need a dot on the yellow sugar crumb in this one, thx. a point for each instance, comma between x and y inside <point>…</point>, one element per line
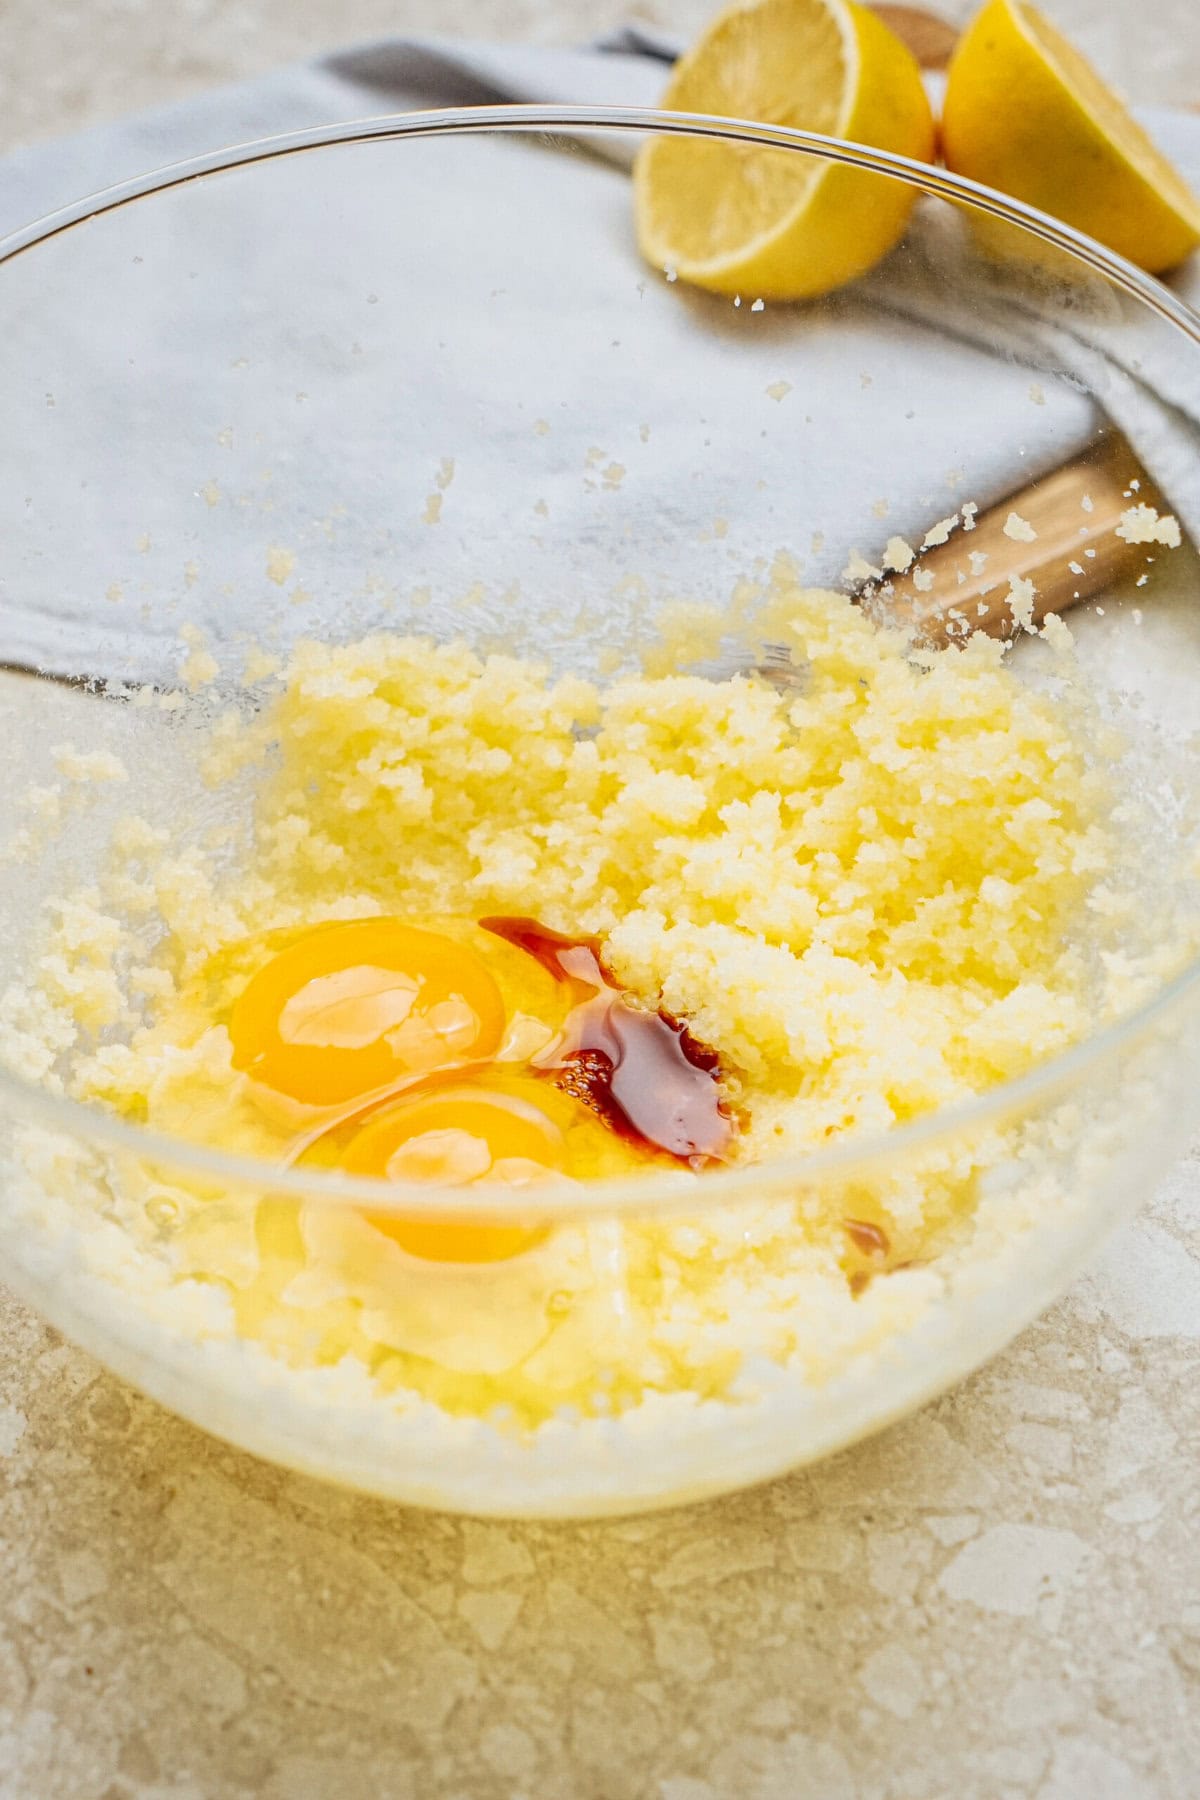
<point>433,509</point>
<point>1021,597</point>
<point>541,426</point>
<point>445,474</point>
<point>939,533</point>
<point>44,800</point>
<point>1019,529</point>
<point>199,666</point>
<point>779,390</point>
<point>135,836</point>
<point>1143,524</point>
<point>859,569</point>
<point>280,563</point>
<point>923,580</point>
<point>259,665</point>
<point>114,591</point>
<point>156,984</point>
<point>687,632</point>
<point>210,493</point>
<point>87,765</point>
<point>1057,633</point>
<point>197,669</point>
<point>898,555</point>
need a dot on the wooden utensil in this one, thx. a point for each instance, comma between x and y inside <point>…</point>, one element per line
<point>962,584</point>
<point>1074,552</point>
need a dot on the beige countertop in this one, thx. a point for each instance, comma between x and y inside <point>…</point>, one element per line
<point>999,1599</point>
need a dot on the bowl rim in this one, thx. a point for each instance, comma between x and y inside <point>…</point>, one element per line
<point>661,1192</point>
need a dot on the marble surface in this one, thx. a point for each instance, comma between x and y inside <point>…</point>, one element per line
<point>998,1599</point>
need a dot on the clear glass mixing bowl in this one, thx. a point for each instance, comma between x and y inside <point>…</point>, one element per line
<point>410,373</point>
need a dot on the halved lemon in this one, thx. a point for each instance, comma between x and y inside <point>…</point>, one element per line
<point>1026,113</point>
<point>777,224</point>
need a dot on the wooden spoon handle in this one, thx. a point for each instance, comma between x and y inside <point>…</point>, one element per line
<point>1073,513</point>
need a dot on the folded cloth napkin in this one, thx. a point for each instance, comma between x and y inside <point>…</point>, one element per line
<point>974,409</point>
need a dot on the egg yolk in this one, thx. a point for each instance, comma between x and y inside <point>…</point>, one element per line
<point>351,1007</point>
<point>458,1136</point>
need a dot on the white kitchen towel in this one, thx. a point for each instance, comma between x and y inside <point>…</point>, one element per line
<point>944,335</point>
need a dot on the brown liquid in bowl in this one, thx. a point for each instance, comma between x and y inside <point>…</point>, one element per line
<point>642,1072</point>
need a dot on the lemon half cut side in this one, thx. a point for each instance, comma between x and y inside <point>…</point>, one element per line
<point>775,224</point>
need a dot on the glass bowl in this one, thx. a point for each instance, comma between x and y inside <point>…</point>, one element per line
<point>409,374</point>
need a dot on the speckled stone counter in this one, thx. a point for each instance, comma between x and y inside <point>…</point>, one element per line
<point>998,1600</point>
